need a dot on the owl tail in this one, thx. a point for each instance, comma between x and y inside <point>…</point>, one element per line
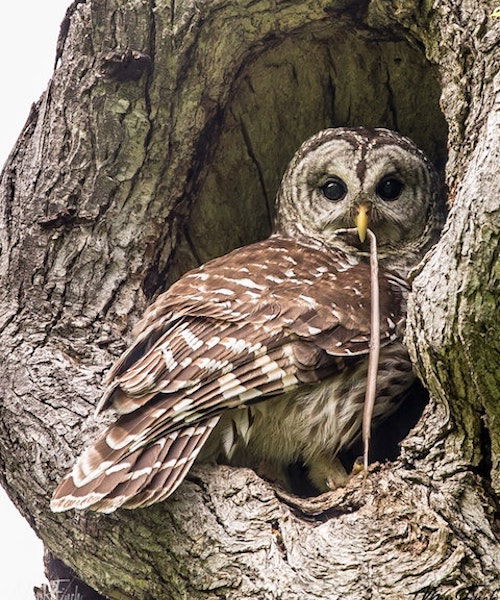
<point>106,478</point>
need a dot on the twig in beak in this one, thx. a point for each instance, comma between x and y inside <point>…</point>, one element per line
<point>371,379</point>
<point>373,358</point>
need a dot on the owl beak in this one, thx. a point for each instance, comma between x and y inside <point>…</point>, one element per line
<point>361,220</point>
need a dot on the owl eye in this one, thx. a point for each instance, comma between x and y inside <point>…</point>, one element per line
<point>334,189</point>
<point>389,188</point>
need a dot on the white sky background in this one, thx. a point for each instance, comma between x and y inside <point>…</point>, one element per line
<point>28,36</point>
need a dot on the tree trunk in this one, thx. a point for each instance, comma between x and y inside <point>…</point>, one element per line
<point>63,583</point>
<point>160,143</point>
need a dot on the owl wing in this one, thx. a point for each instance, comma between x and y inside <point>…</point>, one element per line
<point>253,324</point>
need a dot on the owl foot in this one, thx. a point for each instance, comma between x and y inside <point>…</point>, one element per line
<point>357,467</point>
<point>327,474</point>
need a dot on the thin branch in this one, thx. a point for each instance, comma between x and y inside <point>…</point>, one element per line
<point>373,359</point>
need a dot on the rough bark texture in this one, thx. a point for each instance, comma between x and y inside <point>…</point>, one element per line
<point>64,583</point>
<point>158,144</point>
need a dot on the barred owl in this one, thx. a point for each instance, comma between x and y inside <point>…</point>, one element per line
<point>265,349</point>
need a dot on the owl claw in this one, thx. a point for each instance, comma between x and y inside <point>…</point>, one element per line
<point>358,466</point>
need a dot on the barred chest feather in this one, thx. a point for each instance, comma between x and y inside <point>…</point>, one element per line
<point>316,420</point>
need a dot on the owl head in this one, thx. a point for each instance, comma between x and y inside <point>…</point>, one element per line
<point>347,177</point>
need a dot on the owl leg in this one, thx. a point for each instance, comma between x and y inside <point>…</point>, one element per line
<point>326,473</point>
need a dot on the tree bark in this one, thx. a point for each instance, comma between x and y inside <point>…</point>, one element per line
<point>160,143</point>
<point>64,583</point>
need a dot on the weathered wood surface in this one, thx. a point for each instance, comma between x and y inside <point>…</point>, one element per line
<point>160,143</point>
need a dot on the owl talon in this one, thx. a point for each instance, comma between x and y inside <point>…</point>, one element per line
<point>357,466</point>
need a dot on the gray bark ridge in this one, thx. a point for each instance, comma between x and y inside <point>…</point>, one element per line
<point>158,144</point>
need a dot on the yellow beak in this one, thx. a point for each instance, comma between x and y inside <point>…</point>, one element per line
<point>362,219</point>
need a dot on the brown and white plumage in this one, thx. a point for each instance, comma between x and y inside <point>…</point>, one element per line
<point>267,345</point>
